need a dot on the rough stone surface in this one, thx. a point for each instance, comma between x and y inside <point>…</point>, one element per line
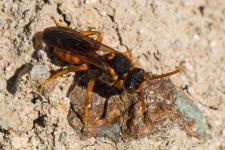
<point>118,115</point>
<point>161,35</point>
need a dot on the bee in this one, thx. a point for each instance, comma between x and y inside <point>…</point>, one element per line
<point>79,49</point>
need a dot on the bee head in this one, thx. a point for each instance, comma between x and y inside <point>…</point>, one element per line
<point>134,80</point>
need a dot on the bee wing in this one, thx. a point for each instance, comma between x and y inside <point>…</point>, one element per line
<point>70,40</point>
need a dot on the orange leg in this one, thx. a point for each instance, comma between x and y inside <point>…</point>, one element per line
<point>120,84</point>
<point>58,23</point>
<point>128,54</point>
<point>89,33</point>
<point>64,71</point>
<point>86,33</point>
<point>88,101</point>
<point>141,93</point>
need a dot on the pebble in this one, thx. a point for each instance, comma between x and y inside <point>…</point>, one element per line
<point>196,37</point>
<point>41,54</point>
<point>39,73</point>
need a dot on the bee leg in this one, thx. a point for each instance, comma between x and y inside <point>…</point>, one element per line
<point>89,33</point>
<point>86,33</point>
<point>58,23</point>
<point>64,71</point>
<point>128,54</point>
<point>120,84</point>
<point>141,93</point>
<point>88,101</point>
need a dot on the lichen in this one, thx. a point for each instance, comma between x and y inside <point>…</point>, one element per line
<point>190,111</point>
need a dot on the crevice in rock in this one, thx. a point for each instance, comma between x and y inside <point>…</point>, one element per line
<point>117,31</point>
<point>60,12</point>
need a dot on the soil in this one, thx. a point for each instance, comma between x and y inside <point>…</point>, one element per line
<point>161,36</point>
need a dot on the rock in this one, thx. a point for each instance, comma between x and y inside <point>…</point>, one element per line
<point>39,73</point>
<point>123,116</point>
<point>191,112</point>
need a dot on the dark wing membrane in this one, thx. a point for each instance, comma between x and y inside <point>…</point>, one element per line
<point>106,48</point>
<point>71,40</point>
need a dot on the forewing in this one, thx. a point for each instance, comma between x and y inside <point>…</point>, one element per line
<point>71,40</point>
